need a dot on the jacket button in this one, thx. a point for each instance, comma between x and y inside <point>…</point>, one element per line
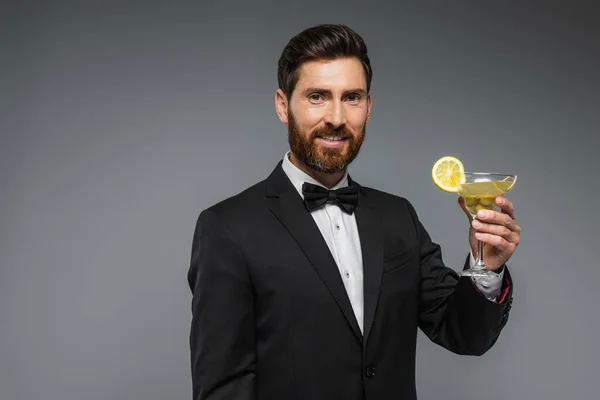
<point>370,372</point>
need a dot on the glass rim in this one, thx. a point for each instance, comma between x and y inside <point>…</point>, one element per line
<point>489,174</point>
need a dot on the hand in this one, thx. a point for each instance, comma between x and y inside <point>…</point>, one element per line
<point>498,230</point>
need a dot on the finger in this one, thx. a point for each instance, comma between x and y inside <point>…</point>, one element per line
<point>461,203</point>
<point>506,206</point>
<point>497,230</point>
<point>497,218</point>
<point>496,241</point>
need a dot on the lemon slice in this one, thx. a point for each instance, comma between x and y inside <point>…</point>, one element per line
<point>448,174</point>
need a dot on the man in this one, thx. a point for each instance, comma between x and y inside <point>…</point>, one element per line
<point>300,293</point>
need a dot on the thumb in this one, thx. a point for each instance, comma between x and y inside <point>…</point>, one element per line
<point>461,203</point>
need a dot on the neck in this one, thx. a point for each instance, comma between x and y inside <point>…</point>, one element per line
<point>327,180</point>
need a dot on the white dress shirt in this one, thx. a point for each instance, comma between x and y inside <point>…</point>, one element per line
<point>340,232</point>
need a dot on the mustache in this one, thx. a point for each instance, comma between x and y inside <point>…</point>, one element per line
<point>328,131</point>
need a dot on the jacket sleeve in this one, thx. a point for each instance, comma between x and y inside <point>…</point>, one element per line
<point>452,312</point>
<point>222,335</point>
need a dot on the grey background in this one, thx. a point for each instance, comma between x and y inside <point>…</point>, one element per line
<point>121,121</point>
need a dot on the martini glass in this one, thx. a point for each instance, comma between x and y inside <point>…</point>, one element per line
<point>480,190</point>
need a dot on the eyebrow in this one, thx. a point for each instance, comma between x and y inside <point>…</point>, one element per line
<point>359,91</point>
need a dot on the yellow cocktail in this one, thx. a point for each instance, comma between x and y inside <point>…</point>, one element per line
<point>480,194</point>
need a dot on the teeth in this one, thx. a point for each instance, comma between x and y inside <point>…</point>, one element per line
<point>333,139</point>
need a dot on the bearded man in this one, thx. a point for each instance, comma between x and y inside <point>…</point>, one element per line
<point>310,286</point>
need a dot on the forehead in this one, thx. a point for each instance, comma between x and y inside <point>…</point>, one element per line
<point>340,74</point>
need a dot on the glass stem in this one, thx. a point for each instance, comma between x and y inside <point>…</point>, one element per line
<point>479,264</point>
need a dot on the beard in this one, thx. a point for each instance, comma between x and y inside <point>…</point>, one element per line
<point>321,158</point>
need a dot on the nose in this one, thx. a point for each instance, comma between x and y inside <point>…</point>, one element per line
<point>336,115</point>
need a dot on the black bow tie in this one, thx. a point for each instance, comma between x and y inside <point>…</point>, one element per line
<point>317,196</point>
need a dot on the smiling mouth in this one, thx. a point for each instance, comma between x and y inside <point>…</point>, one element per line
<point>332,138</point>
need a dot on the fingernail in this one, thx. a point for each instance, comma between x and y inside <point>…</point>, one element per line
<point>479,235</point>
<point>476,224</point>
<point>482,214</point>
<point>500,201</point>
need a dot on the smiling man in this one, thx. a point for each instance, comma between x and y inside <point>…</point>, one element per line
<point>308,285</point>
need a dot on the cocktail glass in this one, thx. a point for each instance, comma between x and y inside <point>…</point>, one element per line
<point>480,190</point>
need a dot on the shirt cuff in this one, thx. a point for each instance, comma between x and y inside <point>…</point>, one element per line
<point>489,286</point>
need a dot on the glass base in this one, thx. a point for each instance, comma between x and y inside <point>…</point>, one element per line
<point>478,272</point>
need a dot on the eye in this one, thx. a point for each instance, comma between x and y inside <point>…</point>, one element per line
<point>354,97</point>
<point>315,97</point>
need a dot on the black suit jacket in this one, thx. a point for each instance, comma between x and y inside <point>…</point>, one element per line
<point>271,319</point>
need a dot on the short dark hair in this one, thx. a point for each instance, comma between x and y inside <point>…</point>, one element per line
<point>321,42</point>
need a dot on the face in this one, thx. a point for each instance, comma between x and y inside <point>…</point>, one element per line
<point>327,113</point>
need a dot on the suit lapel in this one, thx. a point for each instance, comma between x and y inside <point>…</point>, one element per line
<point>368,221</point>
<point>288,207</point>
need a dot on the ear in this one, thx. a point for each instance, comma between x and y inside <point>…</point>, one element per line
<point>281,106</point>
<point>369,104</point>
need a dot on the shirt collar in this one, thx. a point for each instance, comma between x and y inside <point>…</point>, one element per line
<point>298,177</point>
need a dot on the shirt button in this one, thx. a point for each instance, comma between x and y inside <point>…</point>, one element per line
<point>347,274</point>
<point>370,372</point>
<point>337,227</point>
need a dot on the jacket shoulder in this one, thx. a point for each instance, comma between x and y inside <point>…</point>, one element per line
<point>384,198</point>
<point>390,203</point>
<point>238,204</point>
